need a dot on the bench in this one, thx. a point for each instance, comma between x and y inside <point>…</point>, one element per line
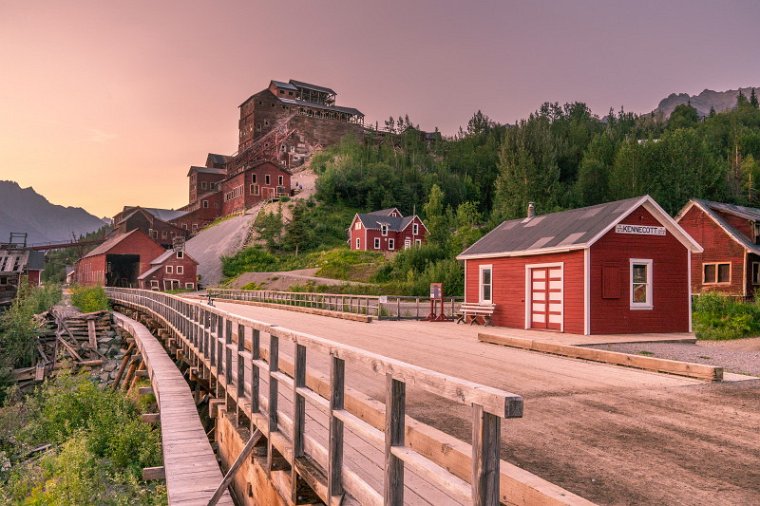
<point>470,312</point>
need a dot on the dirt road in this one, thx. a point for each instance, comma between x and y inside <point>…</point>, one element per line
<point>613,435</point>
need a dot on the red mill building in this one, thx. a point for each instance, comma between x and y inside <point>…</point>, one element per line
<point>279,128</point>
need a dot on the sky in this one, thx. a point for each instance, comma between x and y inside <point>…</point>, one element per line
<point>106,104</point>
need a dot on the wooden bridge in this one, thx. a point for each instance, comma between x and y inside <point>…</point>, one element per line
<point>335,445</point>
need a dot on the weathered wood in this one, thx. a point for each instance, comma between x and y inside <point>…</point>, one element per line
<point>150,417</point>
<point>395,407</point>
<point>689,369</point>
<point>123,365</point>
<point>486,432</point>
<point>142,373</point>
<point>92,335</point>
<point>247,449</point>
<point>153,473</point>
<point>454,487</point>
<point>335,447</point>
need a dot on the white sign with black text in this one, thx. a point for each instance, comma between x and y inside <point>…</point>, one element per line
<point>639,230</point>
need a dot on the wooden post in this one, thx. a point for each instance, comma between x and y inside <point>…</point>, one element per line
<point>486,431</point>
<point>240,365</point>
<point>227,350</point>
<point>247,449</point>
<point>255,355</point>
<point>395,402</point>
<point>274,354</point>
<point>299,414</point>
<point>335,450</point>
<point>123,365</point>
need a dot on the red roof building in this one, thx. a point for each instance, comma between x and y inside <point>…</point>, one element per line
<point>386,230</point>
<point>730,236</point>
<point>616,268</point>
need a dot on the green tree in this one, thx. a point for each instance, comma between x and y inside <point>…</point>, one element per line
<point>592,186</point>
<point>435,217</point>
<point>753,99</point>
<point>683,116</point>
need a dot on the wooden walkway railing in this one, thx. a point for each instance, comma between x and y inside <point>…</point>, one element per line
<point>389,307</point>
<point>248,375</point>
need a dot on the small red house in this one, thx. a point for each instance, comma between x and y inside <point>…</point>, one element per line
<point>386,230</point>
<point>730,236</point>
<point>119,261</point>
<point>616,268</point>
<point>173,270</point>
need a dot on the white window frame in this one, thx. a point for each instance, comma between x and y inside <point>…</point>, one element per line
<point>154,284</point>
<point>169,269</point>
<point>358,243</point>
<point>358,225</point>
<point>204,204</point>
<point>649,263</point>
<point>189,286</point>
<point>717,269</point>
<point>180,254</point>
<point>280,180</point>
<point>180,269</point>
<point>481,299</point>
<point>376,243</point>
<point>267,179</point>
<point>253,178</point>
<point>415,228</point>
<point>391,244</point>
<point>383,230</point>
<point>418,242</point>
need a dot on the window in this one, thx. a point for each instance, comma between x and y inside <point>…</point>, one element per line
<point>641,284</point>
<point>756,226</point>
<point>204,185</point>
<point>486,284</point>
<point>154,284</point>
<point>716,273</point>
<point>418,242</point>
<point>415,229</point>
<point>163,234</point>
<point>255,190</point>
<point>391,244</point>
<point>358,225</point>
<point>205,204</point>
<point>280,180</point>
<point>267,180</point>
<point>358,243</point>
<point>376,244</point>
<point>3,281</point>
<point>180,254</point>
<point>170,269</point>
<point>190,286</point>
<point>195,227</point>
<point>180,269</point>
<point>384,229</point>
<point>756,273</point>
<point>253,178</point>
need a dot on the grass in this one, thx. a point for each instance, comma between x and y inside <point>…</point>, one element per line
<point>89,298</point>
<point>720,317</point>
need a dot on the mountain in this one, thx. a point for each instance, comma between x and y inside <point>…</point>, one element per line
<point>719,100</point>
<point>25,210</point>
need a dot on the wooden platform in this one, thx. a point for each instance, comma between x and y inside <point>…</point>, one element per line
<point>191,470</point>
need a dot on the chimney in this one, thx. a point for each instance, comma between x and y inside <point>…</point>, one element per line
<point>531,210</point>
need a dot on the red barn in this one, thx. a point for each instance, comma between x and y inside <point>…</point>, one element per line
<point>615,268</point>
<point>730,236</point>
<point>173,270</point>
<point>386,230</point>
<point>119,261</point>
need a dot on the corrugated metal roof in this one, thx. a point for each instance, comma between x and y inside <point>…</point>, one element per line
<point>206,170</point>
<point>165,214</point>
<point>573,229</point>
<point>315,87</point>
<point>713,209</point>
<point>348,110</point>
<point>284,85</point>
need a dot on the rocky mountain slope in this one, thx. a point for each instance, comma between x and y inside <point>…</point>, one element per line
<point>719,100</point>
<point>25,210</point>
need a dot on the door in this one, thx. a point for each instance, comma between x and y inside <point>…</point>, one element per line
<point>546,298</point>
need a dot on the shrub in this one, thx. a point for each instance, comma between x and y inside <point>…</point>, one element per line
<point>718,316</point>
<point>89,298</point>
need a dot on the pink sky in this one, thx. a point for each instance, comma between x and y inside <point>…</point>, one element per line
<point>104,104</point>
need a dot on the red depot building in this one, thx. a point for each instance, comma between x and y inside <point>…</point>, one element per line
<point>173,270</point>
<point>616,268</point>
<point>119,261</point>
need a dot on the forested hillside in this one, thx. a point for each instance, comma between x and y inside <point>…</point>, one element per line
<point>560,157</point>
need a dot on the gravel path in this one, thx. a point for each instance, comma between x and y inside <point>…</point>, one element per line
<point>741,356</point>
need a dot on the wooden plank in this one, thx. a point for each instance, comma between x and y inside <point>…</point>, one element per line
<point>92,335</point>
<point>153,473</point>
<point>247,449</point>
<point>395,402</point>
<point>150,417</point>
<point>453,486</point>
<point>335,447</point>
<point>486,432</point>
<point>688,369</point>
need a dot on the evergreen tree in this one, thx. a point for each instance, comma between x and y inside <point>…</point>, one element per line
<point>435,217</point>
<point>753,99</point>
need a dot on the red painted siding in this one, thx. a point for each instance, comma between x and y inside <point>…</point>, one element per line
<point>719,247</point>
<point>92,270</point>
<point>367,237</point>
<point>249,196</point>
<point>670,287</point>
<point>189,274</point>
<point>509,287</point>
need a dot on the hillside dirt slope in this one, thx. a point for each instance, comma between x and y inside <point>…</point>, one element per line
<point>285,279</point>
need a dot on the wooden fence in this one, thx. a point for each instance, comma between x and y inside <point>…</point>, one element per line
<point>229,349</point>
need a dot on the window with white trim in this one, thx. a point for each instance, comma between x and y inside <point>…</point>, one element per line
<point>180,269</point>
<point>377,243</point>
<point>384,229</point>
<point>255,190</point>
<point>756,273</point>
<point>170,269</point>
<point>280,180</point>
<point>253,178</point>
<point>190,286</point>
<point>154,284</point>
<point>358,225</point>
<point>418,242</point>
<point>180,254</point>
<point>358,243</point>
<point>267,179</point>
<point>715,273</point>
<point>205,204</point>
<point>415,228</point>
<point>391,244</point>
<point>641,283</point>
<point>485,284</point>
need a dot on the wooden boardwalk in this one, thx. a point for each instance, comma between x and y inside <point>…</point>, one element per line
<point>191,470</point>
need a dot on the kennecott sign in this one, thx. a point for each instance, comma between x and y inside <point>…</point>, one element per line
<point>639,230</point>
